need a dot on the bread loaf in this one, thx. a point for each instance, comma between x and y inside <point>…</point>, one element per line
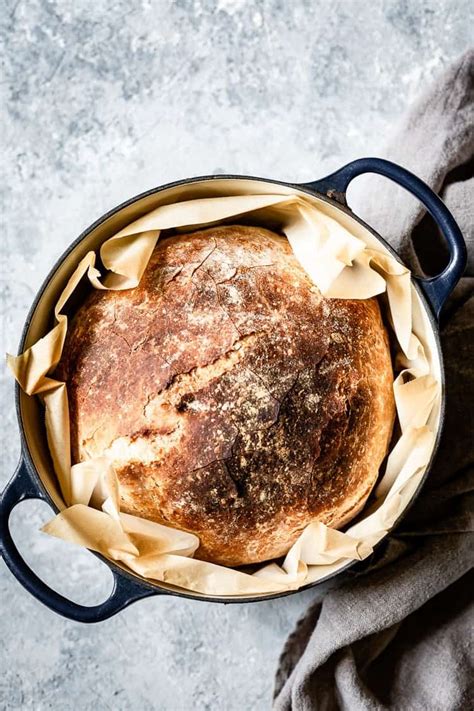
<point>233,399</point>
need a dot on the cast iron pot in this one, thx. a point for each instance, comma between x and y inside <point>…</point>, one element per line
<point>33,480</point>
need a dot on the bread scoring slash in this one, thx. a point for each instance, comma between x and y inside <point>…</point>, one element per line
<point>233,399</point>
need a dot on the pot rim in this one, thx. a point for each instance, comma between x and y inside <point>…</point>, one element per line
<point>155,587</point>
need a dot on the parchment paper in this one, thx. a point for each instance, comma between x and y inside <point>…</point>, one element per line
<point>342,266</point>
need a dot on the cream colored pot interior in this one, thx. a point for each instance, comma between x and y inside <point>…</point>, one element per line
<point>31,414</point>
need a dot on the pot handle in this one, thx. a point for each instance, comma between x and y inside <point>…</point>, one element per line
<point>438,288</point>
<point>125,590</point>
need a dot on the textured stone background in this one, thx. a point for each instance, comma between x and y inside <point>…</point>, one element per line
<point>101,101</point>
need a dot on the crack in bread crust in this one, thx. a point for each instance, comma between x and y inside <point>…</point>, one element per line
<point>199,376</point>
<point>233,399</point>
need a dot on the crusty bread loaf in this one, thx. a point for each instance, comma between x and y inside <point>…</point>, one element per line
<point>233,399</point>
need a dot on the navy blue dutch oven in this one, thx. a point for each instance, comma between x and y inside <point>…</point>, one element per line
<point>33,479</point>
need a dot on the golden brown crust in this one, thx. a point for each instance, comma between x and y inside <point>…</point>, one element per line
<point>234,400</point>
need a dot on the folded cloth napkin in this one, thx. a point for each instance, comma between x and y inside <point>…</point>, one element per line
<point>397,634</point>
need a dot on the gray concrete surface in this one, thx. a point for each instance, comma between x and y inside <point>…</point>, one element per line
<point>102,100</point>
